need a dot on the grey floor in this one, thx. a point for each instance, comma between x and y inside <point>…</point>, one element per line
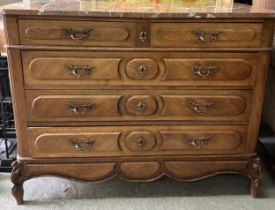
<point>217,193</point>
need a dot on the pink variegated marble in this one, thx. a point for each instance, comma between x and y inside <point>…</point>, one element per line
<point>143,8</point>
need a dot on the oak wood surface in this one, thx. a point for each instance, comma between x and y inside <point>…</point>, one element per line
<point>52,32</point>
<point>137,98</point>
<point>48,69</point>
<point>136,140</point>
<point>52,105</point>
<point>229,35</point>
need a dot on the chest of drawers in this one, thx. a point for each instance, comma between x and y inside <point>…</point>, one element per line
<point>140,98</point>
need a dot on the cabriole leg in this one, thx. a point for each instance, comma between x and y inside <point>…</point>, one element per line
<point>17,178</point>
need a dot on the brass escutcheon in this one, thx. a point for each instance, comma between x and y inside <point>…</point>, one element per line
<point>141,106</point>
<point>142,70</point>
<point>141,142</point>
<point>143,36</point>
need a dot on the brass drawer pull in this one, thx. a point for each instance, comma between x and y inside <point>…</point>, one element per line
<point>80,109</point>
<point>200,108</point>
<point>198,142</point>
<point>141,106</point>
<point>83,146</point>
<point>79,71</point>
<point>204,72</point>
<point>140,142</point>
<point>142,70</point>
<point>143,36</point>
<point>77,35</point>
<point>206,37</point>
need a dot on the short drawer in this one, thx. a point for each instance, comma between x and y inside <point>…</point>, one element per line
<point>74,105</point>
<point>77,33</point>
<point>61,69</point>
<point>136,140</point>
<point>206,34</point>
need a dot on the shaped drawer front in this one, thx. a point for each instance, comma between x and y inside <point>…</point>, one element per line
<point>73,142</point>
<point>77,33</point>
<point>69,70</point>
<point>74,105</point>
<point>65,69</point>
<point>206,34</point>
<point>136,140</point>
<point>207,69</point>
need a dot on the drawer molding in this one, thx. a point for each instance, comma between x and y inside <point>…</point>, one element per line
<point>136,140</point>
<point>77,33</point>
<point>206,35</point>
<point>51,106</point>
<point>138,70</point>
<point>63,68</point>
<point>206,69</point>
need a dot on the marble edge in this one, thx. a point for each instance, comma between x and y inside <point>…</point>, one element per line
<point>103,14</point>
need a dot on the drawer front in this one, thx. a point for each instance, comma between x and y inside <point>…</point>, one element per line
<point>50,106</point>
<point>59,69</point>
<point>135,140</point>
<point>77,33</point>
<point>206,34</point>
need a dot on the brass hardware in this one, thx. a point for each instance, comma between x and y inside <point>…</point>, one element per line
<point>200,108</point>
<point>198,142</point>
<point>77,35</point>
<point>142,70</point>
<point>143,36</point>
<point>141,106</point>
<point>80,109</point>
<point>83,145</point>
<point>79,71</point>
<point>204,72</point>
<point>206,37</point>
<point>140,142</point>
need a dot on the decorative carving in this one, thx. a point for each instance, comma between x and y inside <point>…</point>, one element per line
<point>255,174</point>
<point>139,170</point>
<point>17,178</point>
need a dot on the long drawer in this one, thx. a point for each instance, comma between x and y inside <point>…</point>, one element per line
<point>119,105</point>
<point>206,34</point>
<point>55,69</point>
<point>77,33</point>
<point>136,140</point>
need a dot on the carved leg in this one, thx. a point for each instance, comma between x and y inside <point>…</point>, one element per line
<point>17,178</point>
<point>255,174</point>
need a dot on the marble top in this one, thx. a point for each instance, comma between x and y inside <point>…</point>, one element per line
<point>143,8</point>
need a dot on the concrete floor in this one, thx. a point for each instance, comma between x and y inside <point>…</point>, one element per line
<point>218,193</point>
